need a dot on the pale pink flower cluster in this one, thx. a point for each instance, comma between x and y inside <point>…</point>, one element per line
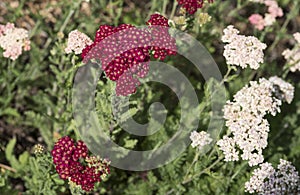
<point>274,11</point>
<point>242,50</point>
<point>268,181</point>
<point>77,41</point>
<point>293,56</point>
<point>13,40</point>
<point>245,118</point>
<point>200,139</point>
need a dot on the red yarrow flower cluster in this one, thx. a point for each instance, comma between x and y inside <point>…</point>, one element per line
<point>125,51</point>
<point>67,157</point>
<point>191,6</point>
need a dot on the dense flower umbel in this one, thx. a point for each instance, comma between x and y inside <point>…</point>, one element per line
<point>244,118</point>
<point>192,6</point>
<point>293,56</point>
<point>13,40</point>
<point>136,46</point>
<point>267,181</point>
<point>242,50</point>
<point>77,41</point>
<point>274,11</point>
<point>200,139</point>
<point>66,157</point>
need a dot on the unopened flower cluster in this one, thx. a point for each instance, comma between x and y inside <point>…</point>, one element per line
<point>125,51</point>
<point>38,149</point>
<point>67,157</point>
<point>191,6</point>
<point>200,139</point>
<point>245,118</point>
<point>203,18</point>
<point>269,18</point>
<point>242,50</point>
<point>293,56</point>
<point>13,40</point>
<point>268,181</point>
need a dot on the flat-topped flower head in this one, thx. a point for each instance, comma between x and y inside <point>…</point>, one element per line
<point>157,19</point>
<point>125,51</point>
<point>268,181</point>
<point>269,18</point>
<point>200,139</point>
<point>13,40</point>
<point>297,37</point>
<point>242,50</point>
<point>257,20</point>
<point>229,34</point>
<point>77,41</point>
<point>67,157</point>
<point>292,56</point>
<point>286,89</point>
<point>245,118</point>
<point>191,6</point>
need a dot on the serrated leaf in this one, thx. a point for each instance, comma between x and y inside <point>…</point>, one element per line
<point>9,154</point>
<point>125,116</point>
<point>10,112</point>
<point>9,149</point>
<point>57,180</point>
<point>23,158</point>
<point>2,181</point>
<point>130,143</point>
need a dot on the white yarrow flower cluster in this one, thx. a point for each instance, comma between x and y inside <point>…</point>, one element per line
<point>13,40</point>
<point>267,181</point>
<point>242,50</point>
<point>227,145</point>
<point>200,139</point>
<point>293,56</point>
<point>286,88</point>
<point>77,41</point>
<point>245,118</point>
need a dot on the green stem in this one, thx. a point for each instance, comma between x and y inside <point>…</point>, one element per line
<point>164,8</point>
<point>239,4</point>
<point>71,12</point>
<point>173,9</point>
<point>263,34</point>
<point>33,31</point>
<point>239,7</point>
<point>153,7</point>
<point>211,152</point>
<point>290,16</point>
<point>203,171</point>
<point>190,167</point>
<point>230,68</point>
<point>239,170</point>
<point>285,73</point>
